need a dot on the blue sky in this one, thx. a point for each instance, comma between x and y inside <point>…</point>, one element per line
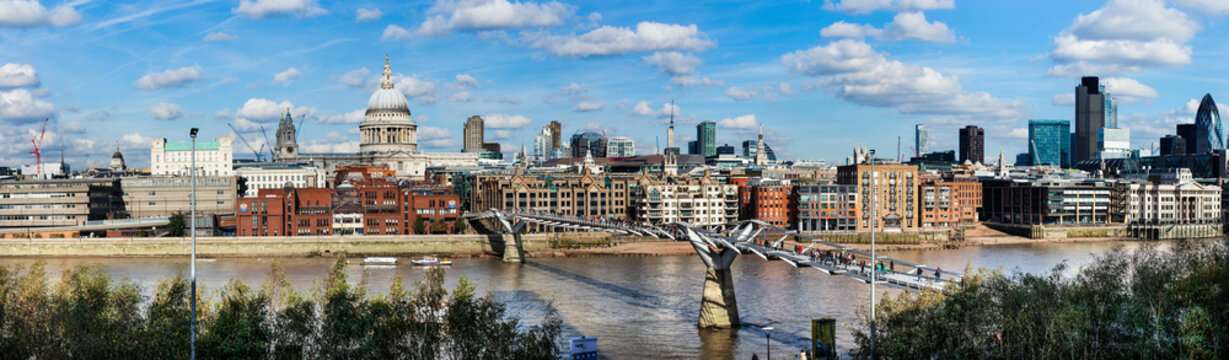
<point>820,76</point>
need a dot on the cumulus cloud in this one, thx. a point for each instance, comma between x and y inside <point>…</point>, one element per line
<point>367,15</point>
<point>286,76</point>
<point>265,110</point>
<point>463,96</point>
<point>1110,41</point>
<point>169,78</point>
<point>1128,90</point>
<point>585,106</point>
<point>220,36</point>
<point>905,26</point>
<point>421,89</point>
<point>504,121</point>
<point>72,127</point>
<point>31,13</point>
<point>1064,99</point>
<point>740,94</point>
<point>354,78</point>
<point>434,137</point>
<point>739,122</point>
<point>645,108</point>
<point>18,75</point>
<point>611,40</point>
<point>483,15</point>
<point>332,142</point>
<point>673,62</point>
<point>464,81</point>
<point>501,134</point>
<point>353,117</point>
<point>260,9</point>
<point>394,32</point>
<point>165,111</point>
<point>136,141</point>
<point>1213,7</point>
<point>573,89</point>
<point>867,6</point>
<point>19,105</point>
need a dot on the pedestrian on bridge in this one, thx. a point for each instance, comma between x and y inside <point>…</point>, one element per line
<point>938,272</point>
<point>919,274</point>
<point>892,265</point>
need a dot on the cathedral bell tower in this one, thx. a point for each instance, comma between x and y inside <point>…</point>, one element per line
<point>287,146</point>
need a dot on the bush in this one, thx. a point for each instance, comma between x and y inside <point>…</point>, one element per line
<point>1125,305</point>
<point>86,315</point>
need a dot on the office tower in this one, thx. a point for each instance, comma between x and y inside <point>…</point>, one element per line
<point>1114,143</point>
<point>473,134</point>
<point>1090,108</point>
<point>1173,145</point>
<point>1049,142</point>
<point>589,143</point>
<point>693,147</point>
<point>556,131</point>
<point>706,138</point>
<point>621,146</point>
<point>1207,127</point>
<point>1187,132</point>
<point>972,144</point>
<point>542,145</point>
<point>725,150</point>
<point>921,138</point>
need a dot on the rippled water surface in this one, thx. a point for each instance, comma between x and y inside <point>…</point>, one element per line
<point>638,307</point>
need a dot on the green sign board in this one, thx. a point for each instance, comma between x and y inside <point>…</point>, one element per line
<point>823,339</point>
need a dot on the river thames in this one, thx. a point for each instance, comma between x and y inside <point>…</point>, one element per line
<point>637,307</point>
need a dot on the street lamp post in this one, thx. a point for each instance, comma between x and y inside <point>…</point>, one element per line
<point>768,341</point>
<point>874,258</point>
<point>192,170</point>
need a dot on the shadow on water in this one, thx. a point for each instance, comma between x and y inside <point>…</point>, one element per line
<point>628,295</point>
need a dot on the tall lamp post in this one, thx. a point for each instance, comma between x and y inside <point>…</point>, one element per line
<point>768,341</point>
<point>874,258</point>
<point>192,170</point>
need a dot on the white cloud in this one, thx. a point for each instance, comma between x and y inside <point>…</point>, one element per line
<point>265,110</point>
<point>367,15</point>
<point>19,105</point>
<point>136,141</point>
<point>585,106</point>
<point>1064,99</point>
<point>42,92</point>
<point>463,96</point>
<point>353,117</point>
<point>169,78</point>
<point>740,122</point>
<point>72,127</point>
<point>1213,7</point>
<point>332,143</point>
<point>1018,133</point>
<point>422,89</point>
<point>98,115</point>
<point>354,78</point>
<point>504,121</point>
<point>501,134</point>
<point>574,89</point>
<point>464,81</point>
<point>644,108</point>
<point>31,13</point>
<point>1111,41</point>
<point>394,32</point>
<point>259,9</point>
<point>609,40</point>
<point>222,114</point>
<point>740,94</point>
<point>1128,90</point>
<point>692,80</point>
<point>165,111</point>
<point>286,76</point>
<point>220,36</point>
<point>866,6</point>
<point>430,136</point>
<point>673,62</point>
<point>483,15</point>
<point>905,26</point>
<point>18,75</point>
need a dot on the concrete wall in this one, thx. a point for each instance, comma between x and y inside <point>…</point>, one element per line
<point>1061,232</point>
<point>291,246</point>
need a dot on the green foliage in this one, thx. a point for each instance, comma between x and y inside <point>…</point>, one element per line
<point>459,226</point>
<point>420,227</point>
<point>438,227</point>
<point>87,315</point>
<point>175,225</point>
<point>1125,305</point>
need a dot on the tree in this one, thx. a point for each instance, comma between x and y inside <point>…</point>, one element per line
<point>459,226</point>
<point>175,225</point>
<point>420,227</point>
<point>438,227</point>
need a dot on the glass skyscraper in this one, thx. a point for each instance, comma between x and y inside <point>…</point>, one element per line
<point>1208,135</point>
<point>1049,142</point>
<point>921,140</point>
<point>706,139</point>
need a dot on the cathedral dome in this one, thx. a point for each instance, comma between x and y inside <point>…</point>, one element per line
<point>387,98</point>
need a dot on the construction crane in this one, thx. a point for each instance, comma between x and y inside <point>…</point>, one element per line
<point>38,154</point>
<point>257,153</point>
<point>262,132</point>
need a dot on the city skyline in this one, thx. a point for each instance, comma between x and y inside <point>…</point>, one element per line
<point>824,68</point>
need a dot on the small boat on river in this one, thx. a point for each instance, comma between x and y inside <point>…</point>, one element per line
<point>380,261</point>
<point>432,261</point>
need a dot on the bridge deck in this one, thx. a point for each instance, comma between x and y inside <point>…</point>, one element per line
<point>907,279</point>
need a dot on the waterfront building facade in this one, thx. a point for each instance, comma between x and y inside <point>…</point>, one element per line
<point>1047,202</point>
<point>697,201</point>
<point>827,207</point>
<point>166,196</point>
<point>60,202</point>
<point>768,200</point>
<point>278,175</point>
<point>1174,203</point>
<point>583,195</point>
<point>949,203</point>
<point>213,158</point>
<point>894,198</point>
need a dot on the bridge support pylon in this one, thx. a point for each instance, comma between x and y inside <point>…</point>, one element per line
<point>719,305</point>
<point>512,248</point>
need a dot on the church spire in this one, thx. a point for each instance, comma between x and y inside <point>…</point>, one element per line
<point>387,82</point>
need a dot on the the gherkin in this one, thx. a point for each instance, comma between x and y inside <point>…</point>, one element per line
<point>1208,135</point>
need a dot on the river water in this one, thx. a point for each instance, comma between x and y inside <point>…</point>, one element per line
<point>637,307</point>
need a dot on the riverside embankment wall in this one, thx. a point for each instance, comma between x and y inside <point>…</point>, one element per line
<point>296,246</point>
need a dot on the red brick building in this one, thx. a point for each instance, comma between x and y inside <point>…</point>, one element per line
<point>767,200</point>
<point>377,206</point>
<point>949,202</point>
<point>263,215</point>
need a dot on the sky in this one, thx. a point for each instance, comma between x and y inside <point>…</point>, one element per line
<point>820,76</point>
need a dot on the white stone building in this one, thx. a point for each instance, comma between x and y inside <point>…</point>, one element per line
<point>213,158</point>
<point>1185,203</point>
<point>697,201</point>
<point>276,176</point>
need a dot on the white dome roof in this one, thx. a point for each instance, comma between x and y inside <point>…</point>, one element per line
<point>387,100</point>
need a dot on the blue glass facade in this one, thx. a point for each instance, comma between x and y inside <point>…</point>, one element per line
<point>1049,142</point>
<point>1207,127</point>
